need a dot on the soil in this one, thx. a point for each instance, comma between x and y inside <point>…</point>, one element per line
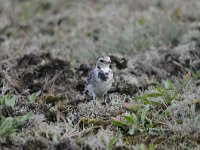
<point>62,85</point>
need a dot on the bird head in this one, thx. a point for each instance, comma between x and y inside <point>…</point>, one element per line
<point>103,62</point>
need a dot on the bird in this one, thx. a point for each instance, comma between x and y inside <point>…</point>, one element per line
<point>100,79</point>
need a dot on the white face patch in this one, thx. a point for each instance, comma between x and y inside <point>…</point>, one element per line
<point>105,69</point>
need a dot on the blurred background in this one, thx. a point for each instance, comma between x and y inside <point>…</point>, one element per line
<point>80,30</point>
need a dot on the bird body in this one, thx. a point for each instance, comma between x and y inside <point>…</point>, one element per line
<point>100,79</point>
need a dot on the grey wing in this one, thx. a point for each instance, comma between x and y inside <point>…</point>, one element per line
<point>90,77</point>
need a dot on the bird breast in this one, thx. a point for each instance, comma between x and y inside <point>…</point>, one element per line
<point>104,82</point>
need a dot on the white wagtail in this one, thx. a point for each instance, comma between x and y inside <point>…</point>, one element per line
<point>100,79</point>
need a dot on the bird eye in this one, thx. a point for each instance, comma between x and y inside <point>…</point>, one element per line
<point>101,61</point>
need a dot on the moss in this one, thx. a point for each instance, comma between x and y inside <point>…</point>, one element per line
<point>121,147</point>
<point>84,122</point>
<point>160,139</point>
<point>197,104</point>
<point>61,106</point>
<point>35,144</point>
<point>49,99</point>
<point>133,139</point>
